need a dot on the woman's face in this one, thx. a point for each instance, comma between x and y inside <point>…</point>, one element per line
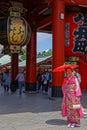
<point>69,72</point>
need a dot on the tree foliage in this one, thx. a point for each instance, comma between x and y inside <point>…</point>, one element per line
<point>39,54</point>
<point>44,53</point>
<point>23,56</point>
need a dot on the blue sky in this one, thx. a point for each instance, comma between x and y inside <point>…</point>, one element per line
<point>44,42</point>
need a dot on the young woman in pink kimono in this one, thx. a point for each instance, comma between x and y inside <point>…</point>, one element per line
<point>71,105</point>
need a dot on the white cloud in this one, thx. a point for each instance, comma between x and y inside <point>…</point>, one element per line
<point>43,37</point>
<point>44,41</point>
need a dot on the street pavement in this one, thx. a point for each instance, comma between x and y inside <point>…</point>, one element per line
<point>34,111</point>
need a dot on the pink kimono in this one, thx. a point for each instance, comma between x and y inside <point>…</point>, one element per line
<point>71,96</point>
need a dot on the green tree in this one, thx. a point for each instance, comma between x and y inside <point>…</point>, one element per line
<point>23,57</point>
<point>39,54</point>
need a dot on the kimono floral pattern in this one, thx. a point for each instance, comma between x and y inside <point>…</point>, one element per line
<point>71,96</point>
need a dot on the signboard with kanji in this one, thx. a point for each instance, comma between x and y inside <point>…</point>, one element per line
<point>75,34</point>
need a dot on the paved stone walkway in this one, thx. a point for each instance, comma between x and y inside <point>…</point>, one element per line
<point>34,112</point>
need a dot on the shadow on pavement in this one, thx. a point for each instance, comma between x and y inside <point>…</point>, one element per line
<point>56,122</point>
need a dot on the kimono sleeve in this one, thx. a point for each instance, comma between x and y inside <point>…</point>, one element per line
<point>64,86</point>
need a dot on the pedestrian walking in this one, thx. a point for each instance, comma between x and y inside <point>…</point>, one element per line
<point>21,81</point>
<point>39,81</point>
<point>6,80</point>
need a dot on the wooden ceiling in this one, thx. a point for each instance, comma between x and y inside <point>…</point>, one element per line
<point>36,10</point>
<point>39,12</point>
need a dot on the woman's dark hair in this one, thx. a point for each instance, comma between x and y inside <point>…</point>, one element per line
<point>68,68</point>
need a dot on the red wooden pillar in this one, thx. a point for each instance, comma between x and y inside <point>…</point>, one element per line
<point>58,44</point>
<point>14,64</point>
<point>31,63</point>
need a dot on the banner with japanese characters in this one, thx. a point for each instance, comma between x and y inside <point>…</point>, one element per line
<point>75,34</point>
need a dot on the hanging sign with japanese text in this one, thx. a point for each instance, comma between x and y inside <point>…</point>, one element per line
<point>75,34</point>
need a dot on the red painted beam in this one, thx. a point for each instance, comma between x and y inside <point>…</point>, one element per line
<point>47,1</point>
<point>40,9</point>
<point>77,2</point>
<point>44,23</point>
